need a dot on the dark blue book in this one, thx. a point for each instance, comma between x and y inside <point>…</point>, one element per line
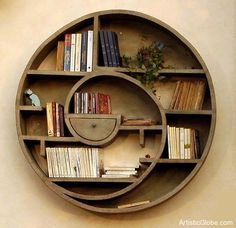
<point>112,49</point>
<point>103,48</point>
<point>116,47</point>
<point>84,44</point>
<point>108,51</point>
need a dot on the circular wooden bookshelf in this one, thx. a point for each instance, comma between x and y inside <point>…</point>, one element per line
<point>162,172</point>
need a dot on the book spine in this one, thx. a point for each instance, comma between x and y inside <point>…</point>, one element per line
<point>78,52</point>
<point>61,120</point>
<point>90,51</point>
<point>49,119</point>
<point>116,47</point>
<point>67,52</point>
<point>60,55</point>
<point>72,52</point>
<point>54,118</point>
<point>103,48</point>
<point>108,51</point>
<point>49,162</point>
<point>111,44</point>
<point>84,51</point>
<point>57,121</point>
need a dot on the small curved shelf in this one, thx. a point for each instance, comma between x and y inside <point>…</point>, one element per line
<point>158,177</point>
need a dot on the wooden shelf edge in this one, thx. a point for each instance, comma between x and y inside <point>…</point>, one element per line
<point>162,71</point>
<point>189,112</point>
<point>31,108</point>
<point>151,127</point>
<point>170,161</point>
<point>56,73</point>
<point>93,116</point>
<point>49,138</point>
<point>93,179</point>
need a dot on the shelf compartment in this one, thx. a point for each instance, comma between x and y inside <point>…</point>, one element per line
<point>46,54</point>
<point>163,182</point>
<point>48,88</point>
<point>131,36</point>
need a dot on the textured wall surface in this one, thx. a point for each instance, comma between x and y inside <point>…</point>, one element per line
<point>210,26</point>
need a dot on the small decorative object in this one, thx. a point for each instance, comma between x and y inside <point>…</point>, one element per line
<point>32,98</point>
<point>147,156</point>
<point>149,59</point>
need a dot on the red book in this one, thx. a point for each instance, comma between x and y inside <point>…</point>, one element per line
<point>61,120</point>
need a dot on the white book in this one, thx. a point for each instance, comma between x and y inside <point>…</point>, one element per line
<point>168,141</point>
<point>186,143</point>
<point>55,166</point>
<point>68,169</point>
<point>189,143</point>
<point>78,51</point>
<point>90,51</point>
<point>120,168</point>
<point>177,143</point>
<point>72,52</point>
<point>121,172</point>
<point>115,176</point>
<point>62,151</point>
<point>72,162</point>
<point>59,162</point>
<point>49,162</point>
<point>57,121</point>
<point>182,143</point>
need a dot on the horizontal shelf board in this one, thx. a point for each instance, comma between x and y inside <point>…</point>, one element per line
<point>49,138</point>
<point>31,108</point>
<point>162,71</point>
<point>167,160</point>
<point>152,127</point>
<point>181,71</point>
<point>55,73</point>
<point>188,112</point>
<point>92,179</point>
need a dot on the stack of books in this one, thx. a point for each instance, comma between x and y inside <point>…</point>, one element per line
<point>76,52</point>
<point>73,162</point>
<point>183,143</point>
<point>188,95</point>
<point>119,172</point>
<point>55,119</point>
<point>109,48</point>
<point>92,103</point>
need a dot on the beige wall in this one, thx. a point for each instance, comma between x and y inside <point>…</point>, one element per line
<point>210,25</point>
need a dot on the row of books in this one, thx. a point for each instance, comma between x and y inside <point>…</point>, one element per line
<point>109,48</point>
<point>55,119</point>
<point>73,162</point>
<point>188,95</point>
<point>183,143</point>
<point>76,52</point>
<point>92,103</point>
<point>119,172</point>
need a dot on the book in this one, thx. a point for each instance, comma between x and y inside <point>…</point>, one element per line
<point>49,119</point>
<point>60,56</point>
<point>90,51</point>
<point>108,50</point>
<point>112,49</point>
<point>78,51</point>
<point>83,64</point>
<point>103,48</point>
<point>67,51</point>
<point>138,122</point>
<point>188,95</point>
<point>72,52</point>
<point>116,47</point>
